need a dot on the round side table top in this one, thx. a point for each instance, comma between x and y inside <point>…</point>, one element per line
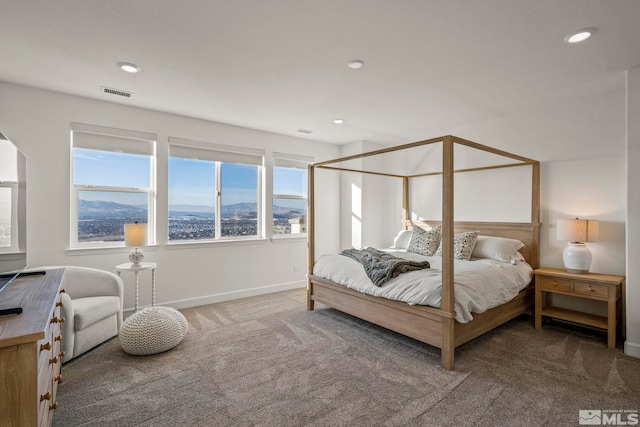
<point>129,266</point>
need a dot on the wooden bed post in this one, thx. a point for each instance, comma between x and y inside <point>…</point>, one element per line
<point>310,236</point>
<point>535,214</point>
<point>406,214</point>
<point>447,306</point>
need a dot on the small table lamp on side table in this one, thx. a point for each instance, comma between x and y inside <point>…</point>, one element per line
<point>137,268</point>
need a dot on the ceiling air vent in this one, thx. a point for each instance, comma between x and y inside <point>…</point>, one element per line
<point>117,92</point>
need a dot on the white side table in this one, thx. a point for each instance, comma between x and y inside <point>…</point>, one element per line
<point>137,269</point>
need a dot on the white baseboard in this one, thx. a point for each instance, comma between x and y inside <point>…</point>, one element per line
<point>227,296</point>
<point>632,349</point>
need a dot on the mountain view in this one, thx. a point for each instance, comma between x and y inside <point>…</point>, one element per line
<point>111,210</point>
<point>104,221</point>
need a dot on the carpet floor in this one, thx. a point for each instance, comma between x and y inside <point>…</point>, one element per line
<point>266,361</point>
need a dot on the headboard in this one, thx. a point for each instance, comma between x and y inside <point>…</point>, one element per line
<point>527,233</point>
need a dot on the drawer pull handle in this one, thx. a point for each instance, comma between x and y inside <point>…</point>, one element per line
<point>554,283</point>
<point>54,360</point>
<point>53,406</point>
<point>59,304</point>
<point>62,353</point>
<point>58,338</point>
<point>63,291</point>
<point>57,320</point>
<point>45,396</point>
<point>45,346</point>
<point>58,378</point>
<point>591,289</point>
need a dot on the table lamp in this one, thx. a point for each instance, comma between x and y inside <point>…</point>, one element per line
<point>135,235</point>
<point>576,256</point>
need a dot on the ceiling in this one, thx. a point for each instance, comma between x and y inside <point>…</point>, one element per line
<point>281,65</point>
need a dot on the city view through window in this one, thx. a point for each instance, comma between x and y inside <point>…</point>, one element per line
<point>193,193</point>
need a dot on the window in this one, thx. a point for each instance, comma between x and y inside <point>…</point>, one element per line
<point>10,169</point>
<point>214,191</point>
<point>113,183</point>
<point>290,194</point>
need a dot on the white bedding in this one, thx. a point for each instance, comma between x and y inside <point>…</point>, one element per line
<point>480,284</point>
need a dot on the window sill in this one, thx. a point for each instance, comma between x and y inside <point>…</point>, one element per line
<point>12,255</point>
<point>108,250</point>
<point>213,243</point>
<point>288,239</point>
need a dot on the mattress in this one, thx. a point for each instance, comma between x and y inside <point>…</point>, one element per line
<point>480,284</point>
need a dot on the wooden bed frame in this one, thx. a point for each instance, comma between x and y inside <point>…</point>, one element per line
<point>434,326</point>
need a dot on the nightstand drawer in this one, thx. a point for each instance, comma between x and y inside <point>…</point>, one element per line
<point>591,289</point>
<point>553,284</point>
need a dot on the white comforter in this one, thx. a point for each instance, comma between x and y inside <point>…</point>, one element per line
<point>480,284</point>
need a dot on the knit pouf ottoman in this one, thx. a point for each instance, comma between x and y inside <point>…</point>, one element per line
<point>153,330</point>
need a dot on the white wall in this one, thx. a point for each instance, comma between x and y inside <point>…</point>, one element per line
<point>37,121</point>
<point>581,147</point>
<point>632,345</point>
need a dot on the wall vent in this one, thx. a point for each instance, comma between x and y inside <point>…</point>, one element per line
<point>117,92</point>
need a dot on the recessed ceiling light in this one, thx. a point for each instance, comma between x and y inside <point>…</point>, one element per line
<point>579,36</point>
<point>355,64</point>
<point>338,121</point>
<point>128,67</point>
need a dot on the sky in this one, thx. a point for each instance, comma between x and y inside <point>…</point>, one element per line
<point>191,182</point>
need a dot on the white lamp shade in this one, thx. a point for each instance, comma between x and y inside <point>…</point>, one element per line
<point>577,230</point>
<point>135,234</point>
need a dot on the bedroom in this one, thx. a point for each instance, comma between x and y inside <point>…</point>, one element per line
<point>583,129</point>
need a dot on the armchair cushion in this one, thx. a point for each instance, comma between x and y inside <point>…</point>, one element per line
<point>89,310</point>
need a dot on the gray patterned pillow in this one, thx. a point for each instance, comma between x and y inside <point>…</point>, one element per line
<point>463,244</point>
<point>424,242</point>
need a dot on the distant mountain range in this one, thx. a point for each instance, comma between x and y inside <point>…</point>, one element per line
<point>111,210</point>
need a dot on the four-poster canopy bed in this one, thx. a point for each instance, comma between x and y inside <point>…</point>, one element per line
<point>431,325</point>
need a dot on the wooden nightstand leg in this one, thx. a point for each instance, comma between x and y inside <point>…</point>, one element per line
<point>611,320</point>
<point>538,306</point>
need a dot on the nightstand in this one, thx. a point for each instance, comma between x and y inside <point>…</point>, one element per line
<point>593,286</point>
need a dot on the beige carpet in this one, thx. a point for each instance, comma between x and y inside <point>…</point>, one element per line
<point>266,361</point>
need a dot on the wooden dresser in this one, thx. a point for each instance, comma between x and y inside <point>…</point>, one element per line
<point>30,350</point>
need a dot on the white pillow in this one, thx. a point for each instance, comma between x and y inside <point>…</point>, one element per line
<point>498,248</point>
<point>402,240</point>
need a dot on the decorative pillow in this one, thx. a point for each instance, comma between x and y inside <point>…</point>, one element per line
<point>402,240</point>
<point>424,242</point>
<point>498,248</point>
<point>463,244</point>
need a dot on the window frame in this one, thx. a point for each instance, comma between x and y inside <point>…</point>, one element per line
<point>216,153</point>
<point>14,227</point>
<point>112,140</point>
<point>292,161</point>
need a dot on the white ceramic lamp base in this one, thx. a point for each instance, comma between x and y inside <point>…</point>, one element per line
<point>577,258</point>
<point>136,256</point>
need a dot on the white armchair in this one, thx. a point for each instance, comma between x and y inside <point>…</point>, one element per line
<point>91,306</point>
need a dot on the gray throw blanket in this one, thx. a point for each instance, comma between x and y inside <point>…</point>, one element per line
<point>381,266</point>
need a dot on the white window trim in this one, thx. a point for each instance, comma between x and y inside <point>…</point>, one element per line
<point>13,245</point>
<point>296,161</point>
<point>218,154</point>
<point>111,134</point>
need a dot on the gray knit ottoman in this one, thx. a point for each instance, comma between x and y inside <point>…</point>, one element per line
<point>153,330</point>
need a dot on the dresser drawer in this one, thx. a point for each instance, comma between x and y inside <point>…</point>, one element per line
<point>591,289</point>
<point>554,284</point>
